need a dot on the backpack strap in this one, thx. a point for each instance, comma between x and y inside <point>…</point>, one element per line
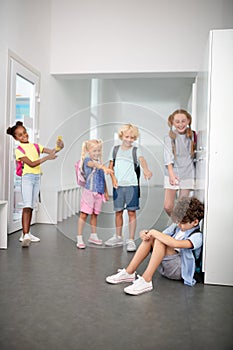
<point>197,229</point>
<point>134,152</point>
<point>37,148</point>
<point>135,161</point>
<point>114,153</point>
<point>21,149</point>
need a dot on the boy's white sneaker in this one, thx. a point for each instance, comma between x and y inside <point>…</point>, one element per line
<point>131,246</point>
<point>121,277</point>
<point>114,241</point>
<point>26,240</point>
<point>139,286</point>
<point>33,239</point>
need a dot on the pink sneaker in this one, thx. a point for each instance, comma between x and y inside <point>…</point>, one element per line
<point>81,245</point>
<point>95,241</point>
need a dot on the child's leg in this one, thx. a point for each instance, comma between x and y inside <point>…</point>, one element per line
<point>26,219</point>
<point>81,222</point>
<point>132,223</point>
<point>93,222</point>
<point>142,252</point>
<point>93,236</point>
<point>169,199</point>
<point>158,253</point>
<point>119,222</point>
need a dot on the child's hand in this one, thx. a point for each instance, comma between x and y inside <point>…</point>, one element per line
<point>106,196</point>
<point>144,235</point>
<point>114,183</point>
<point>59,144</point>
<point>174,180</point>
<point>107,170</point>
<point>52,155</point>
<point>147,174</point>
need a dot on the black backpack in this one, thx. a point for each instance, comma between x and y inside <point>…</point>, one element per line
<point>136,165</point>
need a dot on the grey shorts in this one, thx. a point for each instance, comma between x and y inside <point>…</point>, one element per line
<point>170,267</point>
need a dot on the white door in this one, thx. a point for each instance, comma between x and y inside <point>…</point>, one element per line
<point>214,161</point>
<point>23,106</point>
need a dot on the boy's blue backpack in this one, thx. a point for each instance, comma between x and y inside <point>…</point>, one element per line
<point>136,165</point>
<point>19,163</point>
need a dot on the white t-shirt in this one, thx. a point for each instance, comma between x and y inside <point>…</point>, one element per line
<point>179,236</point>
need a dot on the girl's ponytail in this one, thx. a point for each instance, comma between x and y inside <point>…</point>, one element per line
<point>83,152</point>
<point>11,130</point>
<point>172,134</point>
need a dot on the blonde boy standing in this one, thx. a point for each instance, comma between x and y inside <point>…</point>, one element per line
<point>125,184</point>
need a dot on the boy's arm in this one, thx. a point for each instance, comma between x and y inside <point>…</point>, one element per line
<point>147,173</point>
<point>106,191</point>
<point>113,177</point>
<point>170,241</point>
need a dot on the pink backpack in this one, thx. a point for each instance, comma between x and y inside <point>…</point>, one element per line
<point>80,175</point>
<point>19,163</point>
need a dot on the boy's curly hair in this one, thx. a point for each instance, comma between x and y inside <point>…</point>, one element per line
<point>187,210</point>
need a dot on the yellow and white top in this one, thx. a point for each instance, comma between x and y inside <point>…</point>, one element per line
<point>32,154</point>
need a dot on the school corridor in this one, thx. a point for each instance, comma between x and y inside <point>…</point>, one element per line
<point>54,296</point>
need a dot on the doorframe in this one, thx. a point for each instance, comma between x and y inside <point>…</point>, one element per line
<point>17,65</point>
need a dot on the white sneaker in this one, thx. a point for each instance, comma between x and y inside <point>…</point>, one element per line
<point>131,246</point>
<point>139,286</point>
<point>114,241</point>
<point>26,240</point>
<point>34,239</point>
<point>121,277</point>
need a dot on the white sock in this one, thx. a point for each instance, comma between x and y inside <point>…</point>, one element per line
<point>94,236</point>
<point>80,239</point>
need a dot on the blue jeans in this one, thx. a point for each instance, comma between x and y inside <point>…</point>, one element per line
<point>30,189</point>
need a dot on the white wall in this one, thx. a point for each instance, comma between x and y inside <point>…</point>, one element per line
<point>64,106</point>
<point>59,99</point>
<point>109,36</point>
<point>29,39</point>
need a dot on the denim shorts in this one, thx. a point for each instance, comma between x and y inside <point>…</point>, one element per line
<point>170,267</point>
<point>126,197</point>
<point>30,189</point>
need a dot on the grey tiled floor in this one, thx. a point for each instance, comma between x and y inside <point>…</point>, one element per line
<point>54,296</point>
